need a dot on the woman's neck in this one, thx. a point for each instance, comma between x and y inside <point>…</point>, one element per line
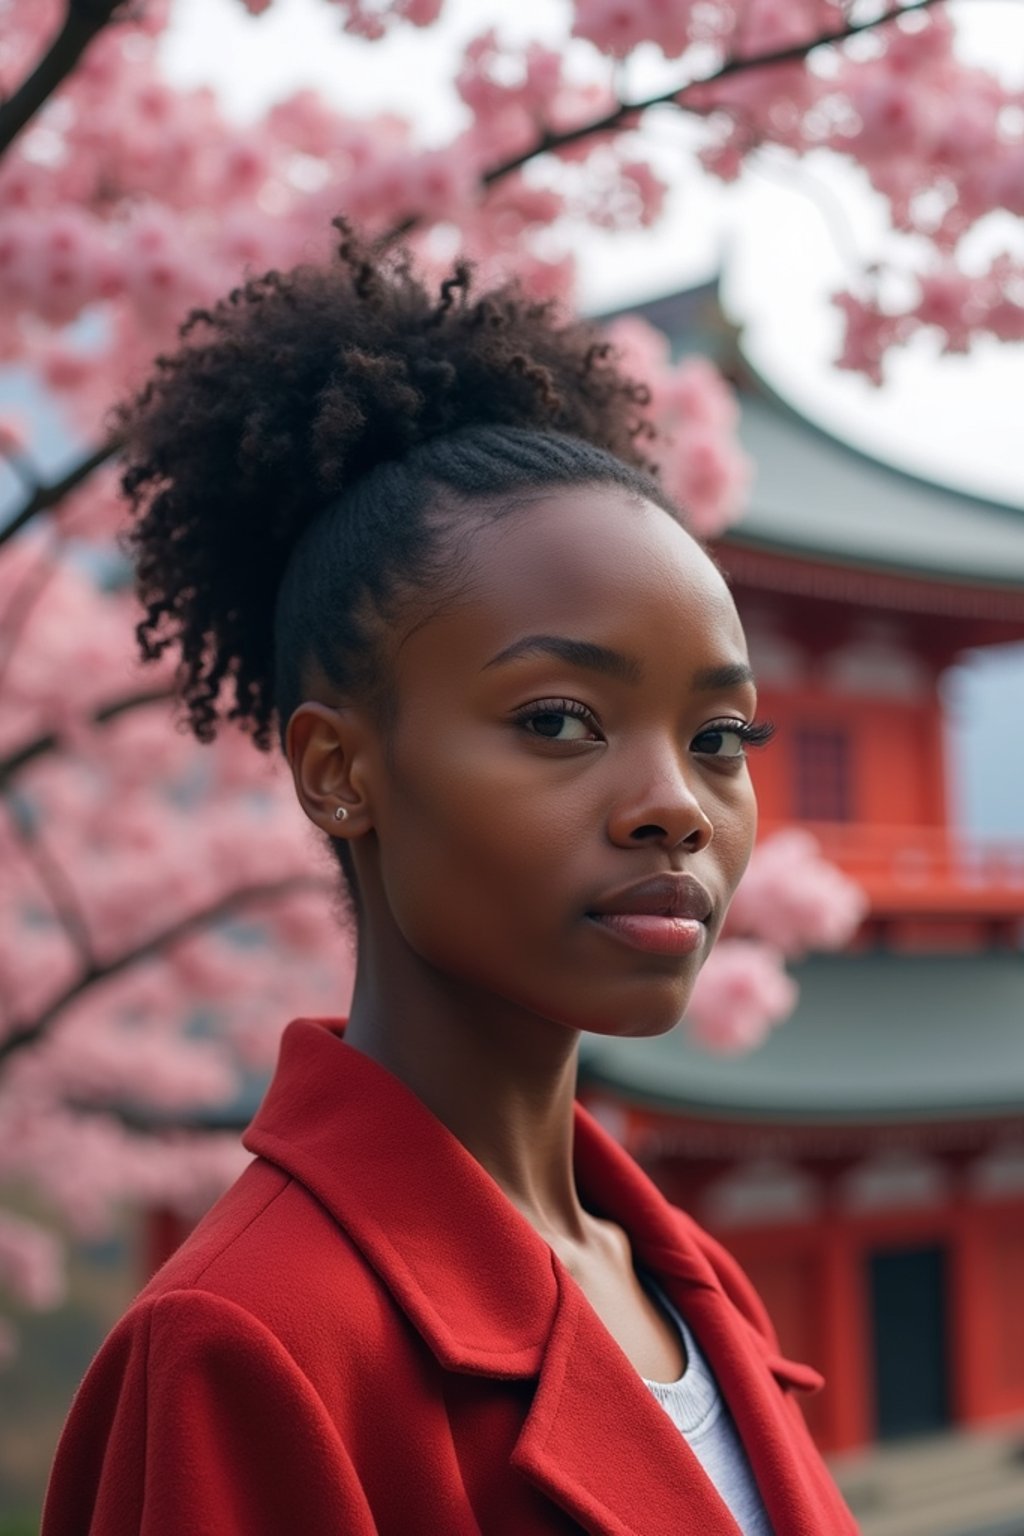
<point>501,1079</point>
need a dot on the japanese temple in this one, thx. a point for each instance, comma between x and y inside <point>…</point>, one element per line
<point>866,1164</point>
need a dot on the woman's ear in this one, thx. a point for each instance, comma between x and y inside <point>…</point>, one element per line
<point>328,751</point>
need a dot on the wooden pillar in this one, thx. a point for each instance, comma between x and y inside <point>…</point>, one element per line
<point>163,1230</point>
<point>848,1413</point>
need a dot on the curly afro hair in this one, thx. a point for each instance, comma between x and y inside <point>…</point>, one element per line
<point>296,464</point>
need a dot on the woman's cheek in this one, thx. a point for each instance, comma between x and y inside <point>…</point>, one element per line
<point>735,830</point>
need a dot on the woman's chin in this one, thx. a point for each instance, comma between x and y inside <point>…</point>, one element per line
<point>638,1011</point>
<point>636,1026</point>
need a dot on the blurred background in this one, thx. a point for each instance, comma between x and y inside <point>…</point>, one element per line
<point>817,263</point>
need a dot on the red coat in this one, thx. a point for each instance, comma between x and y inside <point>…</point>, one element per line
<point>364,1336</point>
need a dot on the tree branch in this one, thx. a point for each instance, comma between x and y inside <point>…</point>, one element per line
<point>45,496</point>
<point>62,894</point>
<point>24,598</point>
<point>29,1032</point>
<point>50,741</point>
<point>619,116</point>
<point>83,20</point>
<point>794,54</point>
<point>221,1120</point>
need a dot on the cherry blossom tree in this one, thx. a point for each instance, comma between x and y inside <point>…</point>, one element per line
<point>165,907</point>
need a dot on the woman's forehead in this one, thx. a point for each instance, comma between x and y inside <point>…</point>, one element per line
<point>592,562</point>
<point>591,547</point>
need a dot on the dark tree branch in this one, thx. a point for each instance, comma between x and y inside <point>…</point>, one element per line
<point>20,464</point>
<point>83,20</point>
<point>30,1031</point>
<point>50,741</point>
<point>619,117</point>
<point>219,1121</point>
<point>24,598</point>
<point>621,114</point>
<point>62,894</point>
<point>44,497</point>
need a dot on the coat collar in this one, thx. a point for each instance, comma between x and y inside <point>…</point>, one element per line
<point>474,1275</point>
<point>488,1296</point>
<point>470,1272</point>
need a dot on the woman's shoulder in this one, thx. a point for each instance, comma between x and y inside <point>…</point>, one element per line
<point>271,1258</point>
<point>224,1394</point>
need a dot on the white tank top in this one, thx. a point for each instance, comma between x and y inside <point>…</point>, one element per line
<point>699,1411</point>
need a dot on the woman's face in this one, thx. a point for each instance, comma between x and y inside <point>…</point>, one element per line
<point>565,731</point>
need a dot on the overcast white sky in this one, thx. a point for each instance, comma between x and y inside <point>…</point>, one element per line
<point>951,419</point>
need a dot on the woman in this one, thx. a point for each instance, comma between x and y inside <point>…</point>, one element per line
<point>418,536</point>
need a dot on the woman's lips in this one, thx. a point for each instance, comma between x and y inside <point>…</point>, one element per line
<point>666,914</point>
<point>656,934</point>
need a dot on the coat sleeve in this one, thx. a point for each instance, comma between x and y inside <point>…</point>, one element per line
<point>194,1418</point>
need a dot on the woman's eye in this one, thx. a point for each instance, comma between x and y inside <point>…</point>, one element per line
<point>557,727</point>
<point>559,724</point>
<point>721,741</point>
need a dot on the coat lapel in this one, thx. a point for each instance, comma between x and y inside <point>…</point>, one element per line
<point>754,1380</point>
<point>753,1377</point>
<point>599,1445</point>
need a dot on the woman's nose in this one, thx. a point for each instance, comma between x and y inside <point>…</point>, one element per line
<point>667,813</point>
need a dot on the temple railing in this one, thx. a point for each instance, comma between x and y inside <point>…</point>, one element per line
<point>925,867</point>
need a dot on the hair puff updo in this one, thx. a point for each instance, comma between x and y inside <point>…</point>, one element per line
<point>298,465</point>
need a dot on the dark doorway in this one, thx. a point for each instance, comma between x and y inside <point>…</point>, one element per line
<point>909,1327</point>
<point>824,779</point>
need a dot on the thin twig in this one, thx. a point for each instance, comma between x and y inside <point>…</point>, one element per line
<point>50,741</point>
<point>24,598</point>
<point>219,1121</point>
<point>44,497</point>
<point>30,1031</point>
<point>619,117</point>
<point>83,20</point>
<point>62,894</point>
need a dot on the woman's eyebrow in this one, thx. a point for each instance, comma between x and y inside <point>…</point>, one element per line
<point>578,653</point>
<point>731,676</point>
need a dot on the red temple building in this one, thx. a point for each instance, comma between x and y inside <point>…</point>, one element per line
<point>866,1164</point>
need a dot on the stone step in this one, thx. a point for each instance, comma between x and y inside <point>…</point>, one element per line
<point>997,1512</point>
<point>960,1484</point>
<point>935,1480</point>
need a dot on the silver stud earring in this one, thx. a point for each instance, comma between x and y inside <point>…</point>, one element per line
<point>340,813</point>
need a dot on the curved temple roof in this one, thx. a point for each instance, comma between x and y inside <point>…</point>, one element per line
<point>874,1038</point>
<point>814,494</point>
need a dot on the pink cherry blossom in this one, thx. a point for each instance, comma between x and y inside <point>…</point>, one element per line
<point>701,463</point>
<point>794,899</point>
<point>951,303</point>
<point>30,1263</point>
<point>616,27</point>
<point>742,993</point>
<point>870,331</point>
<point>13,435</point>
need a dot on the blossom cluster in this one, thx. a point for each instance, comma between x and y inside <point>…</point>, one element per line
<point>695,416</point>
<point>163,911</point>
<point>790,901</point>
